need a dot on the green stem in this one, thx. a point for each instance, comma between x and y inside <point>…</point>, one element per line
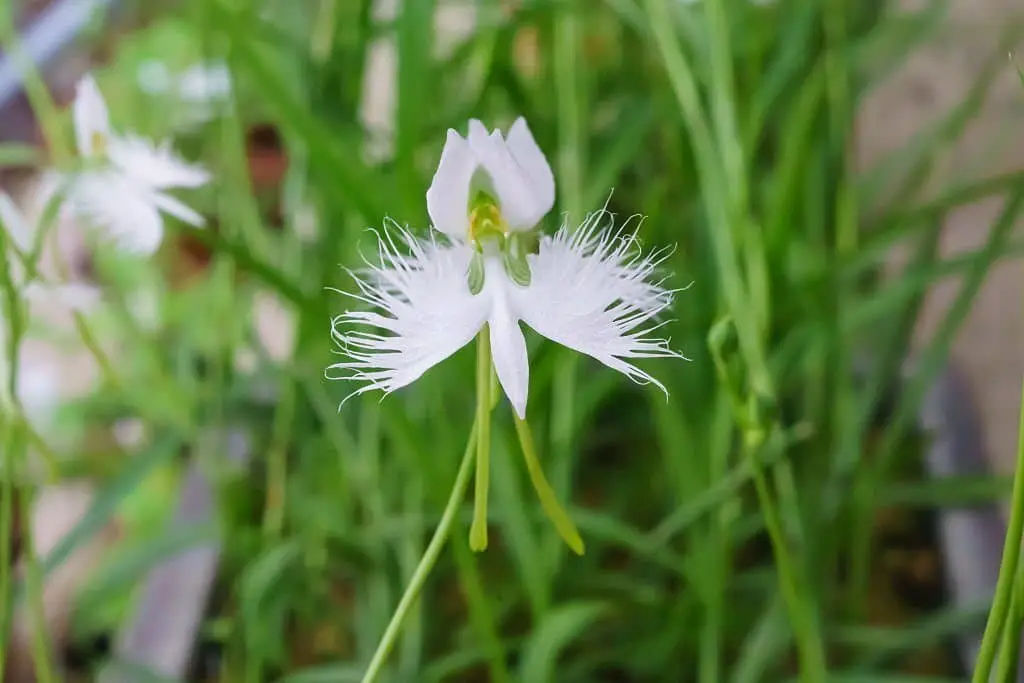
<point>37,611</point>
<point>1009,651</point>
<point>427,562</point>
<point>36,89</point>
<point>810,650</point>
<point>6,533</point>
<point>277,461</point>
<point>558,516</point>
<point>1007,569</point>
<point>478,530</point>
<point>12,327</point>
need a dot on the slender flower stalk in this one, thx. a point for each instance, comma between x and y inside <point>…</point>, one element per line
<point>1008,568</point>
<point>478,530</point>
<point>426,564</point>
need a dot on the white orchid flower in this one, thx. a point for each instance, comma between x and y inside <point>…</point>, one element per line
<point>589,289</point>
<point>123,189</point>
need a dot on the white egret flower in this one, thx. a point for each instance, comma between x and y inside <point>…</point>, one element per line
<point>123,189</point>
<point>590,289</point>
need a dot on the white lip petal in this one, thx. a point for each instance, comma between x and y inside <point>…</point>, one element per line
<point>591,291</point>
<point>520,208</point>
<point>154,166</point>
<point>448,195</point>
<point>534,165</point>
<point>91,118</point>
<point>112,204</point>
<point>423,313</point>
<point>508,346</point>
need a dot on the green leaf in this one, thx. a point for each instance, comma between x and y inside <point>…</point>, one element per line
<point>109,589</point>
<point>264,601</point>
<point>14,154</point>
<point>109,499</point>
<point>338,673</point>
<point>557,631</point>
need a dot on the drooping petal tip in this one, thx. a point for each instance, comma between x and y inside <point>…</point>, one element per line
<point>113,205</point>
<point>508,345</point>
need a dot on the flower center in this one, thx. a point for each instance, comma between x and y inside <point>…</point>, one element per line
<point>485,221</point>
<point>490,236</point>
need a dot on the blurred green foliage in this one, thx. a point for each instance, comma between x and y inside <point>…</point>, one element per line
<point>729,126</point>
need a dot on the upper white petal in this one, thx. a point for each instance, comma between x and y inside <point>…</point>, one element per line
<point>448,194</point>
<point>91,118</point>
<point>508,346</point>
<point>155,166</point>
<point>115,205</point>
<point>534,165</point>
<point>422,312</point>
<point>593,292</point>
<point>521,206</point>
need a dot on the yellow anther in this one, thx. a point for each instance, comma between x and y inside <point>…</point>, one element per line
<point>99,143</point>
<point>485,221</point>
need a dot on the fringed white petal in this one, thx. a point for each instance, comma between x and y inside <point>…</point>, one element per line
<point>113,204</point>
<point>593,292</point>
<point>154,166</point>
<point>421,313</point>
